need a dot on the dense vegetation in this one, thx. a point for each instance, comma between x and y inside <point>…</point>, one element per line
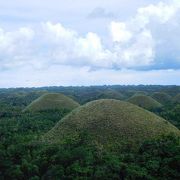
<point>23,156</point>
<point>176,99</point>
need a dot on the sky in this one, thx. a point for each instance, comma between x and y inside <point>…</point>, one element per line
<point>94,42</point>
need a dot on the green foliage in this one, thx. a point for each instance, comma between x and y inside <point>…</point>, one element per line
<point>19,99</point>
<point>176,99</point>
<point>76,159</point>
<point>17,136</point>
<point>171,113</point>
<point>23,156</point>
<point>162,157</point>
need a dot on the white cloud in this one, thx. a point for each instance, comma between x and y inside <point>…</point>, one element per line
<point>68,47</point>
<point>135,45</point>
<point>141,51</point>
<point>52,44</point>
<point>161,12</point>
<point>57,33</point>
<point>131,44</point>
<point>52,54</point>
<point>15,47</point>
<point>9,40</point>
<point>119,32</point>
<point>90,48</point>
<point>132,49</point>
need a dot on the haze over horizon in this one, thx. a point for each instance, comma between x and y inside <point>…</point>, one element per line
<point>97,42</point>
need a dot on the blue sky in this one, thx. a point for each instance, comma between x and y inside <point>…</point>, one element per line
<point>97,42</point>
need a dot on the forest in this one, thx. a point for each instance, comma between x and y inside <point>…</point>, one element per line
<point>25,153</point>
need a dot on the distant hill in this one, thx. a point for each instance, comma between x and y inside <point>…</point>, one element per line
<point>111,122</point>
<point>111,94</point>
<point>145,102</point>
<point>52,101</point>
<point>137,93</point>
<point>176,99</point>
<point>161,97</point>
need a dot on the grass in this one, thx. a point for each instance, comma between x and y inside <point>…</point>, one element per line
<point>161,97</point>
<point>145,102</point>
<point>111,122</point>
<point>111,94</point>
<point>52,101</point>
<point>137,93</point>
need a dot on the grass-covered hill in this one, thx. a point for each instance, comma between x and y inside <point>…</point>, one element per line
<point>52,101</point>
<point>176,99</point>
<point>138,93</point>
<point>111,122</point>
<point>145,102</point>
<point>161,97</point>
<point>110,94</point>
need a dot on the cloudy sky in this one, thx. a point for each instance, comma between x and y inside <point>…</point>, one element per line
<point>89,42</point>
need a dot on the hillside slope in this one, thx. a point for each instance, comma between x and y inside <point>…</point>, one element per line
<point>111,94</point>
<point>52,101</point>
<point>161,97</point>
<point>145,102</point>
<point>111,122</point>
<point>176,99</point>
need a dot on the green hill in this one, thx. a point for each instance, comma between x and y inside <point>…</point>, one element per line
<point>52,101</point>
<point>111,122</point>
<point>145,102</point>
<point>138,93</point>
<point>161,97</point>
<point>111,94</point>
<point>176,99</point>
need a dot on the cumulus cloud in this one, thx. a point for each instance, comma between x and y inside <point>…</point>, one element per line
<point>161,12</point>
<point>141,51</point>
<point>9,40</point>
<point>133,39</point>
<point>52,44</point>
<point>131,43</point>
<point>68,47</point>
<point>15,46</point>
<point>119,32</point>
